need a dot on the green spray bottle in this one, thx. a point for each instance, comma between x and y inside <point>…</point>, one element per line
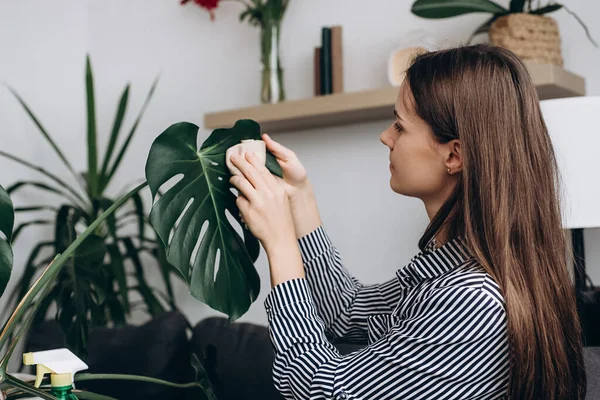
<point>62,365</point>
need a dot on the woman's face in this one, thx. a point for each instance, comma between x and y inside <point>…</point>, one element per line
<point>418,164</point>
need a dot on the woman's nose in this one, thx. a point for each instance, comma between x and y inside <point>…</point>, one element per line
<point>385,139</point>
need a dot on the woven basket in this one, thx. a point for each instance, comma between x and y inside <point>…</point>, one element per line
<point>532,37</point>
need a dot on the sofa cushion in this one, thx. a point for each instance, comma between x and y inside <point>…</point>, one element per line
<point>592,369</point>
<point>244,358</point>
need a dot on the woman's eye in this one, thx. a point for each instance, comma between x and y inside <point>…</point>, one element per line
<point>397,127</point>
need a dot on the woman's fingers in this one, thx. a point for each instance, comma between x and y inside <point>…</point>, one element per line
<point>262,169</point>
<point>249,171</point>
<point>244,187</point>
<point>278,150</point>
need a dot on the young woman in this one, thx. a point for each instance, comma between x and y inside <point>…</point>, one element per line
<point>486,310</point>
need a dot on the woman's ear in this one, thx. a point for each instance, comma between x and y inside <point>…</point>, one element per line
<point>453,158</point>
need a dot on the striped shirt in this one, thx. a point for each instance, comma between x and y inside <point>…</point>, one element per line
<point>435,331</point>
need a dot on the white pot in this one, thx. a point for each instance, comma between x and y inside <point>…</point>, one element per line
<point>414,42</point>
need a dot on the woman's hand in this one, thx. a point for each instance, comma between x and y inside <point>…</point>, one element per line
<point>265,208</point>
<point>294,174</point>
<point>295,182</point>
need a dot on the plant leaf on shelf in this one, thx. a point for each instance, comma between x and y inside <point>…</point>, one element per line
<point>585,28</point>
<point>452,8</point>
<point>517,6</point>
<point>547,9</point>
<point>217,263</point>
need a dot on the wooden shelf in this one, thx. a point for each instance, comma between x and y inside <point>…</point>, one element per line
<point>348,108</point>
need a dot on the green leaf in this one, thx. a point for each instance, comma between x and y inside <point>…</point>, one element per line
<point>44,133</point>
<point>24,225</point>
<point>154,306</point>
<point>139,210</point>
<point>117,162</point>
<point>111,221</point>
<point>118,270</point>
<point>452,8</point>
<point>56,179</point>
<point>92,144</point>
<point>7,220</point>
<point>40,185</point>
<point>34,208</point>
<point>165,269</point>
<point>547,9</point>
<point>114,134</point>
<point>91,251</point>
<point>205,185</point>
<point>202,378</point>
<point>517,6</point>
<point>29,271</point>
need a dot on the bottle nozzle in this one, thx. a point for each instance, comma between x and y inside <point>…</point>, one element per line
<point>60,363</point>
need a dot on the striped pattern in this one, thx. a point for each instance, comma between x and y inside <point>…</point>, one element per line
<point>435,331</point>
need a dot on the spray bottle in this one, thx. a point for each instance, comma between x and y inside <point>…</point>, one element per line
<point>62,365</point>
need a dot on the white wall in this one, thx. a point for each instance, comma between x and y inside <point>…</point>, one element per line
<point>210,66</point>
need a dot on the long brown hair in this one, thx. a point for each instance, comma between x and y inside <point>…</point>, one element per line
<point>506,206</point>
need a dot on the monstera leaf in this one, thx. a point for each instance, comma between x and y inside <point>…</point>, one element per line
<point>7,219</point>
<point>191,216</point>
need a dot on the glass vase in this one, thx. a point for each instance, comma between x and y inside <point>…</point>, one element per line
<point>272,90</point>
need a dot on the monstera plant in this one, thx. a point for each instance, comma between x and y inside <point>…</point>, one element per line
<point>96,288</point>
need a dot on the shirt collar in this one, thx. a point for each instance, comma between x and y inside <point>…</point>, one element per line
<point>433,261</point>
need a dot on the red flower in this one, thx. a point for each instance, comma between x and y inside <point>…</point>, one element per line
<point>209,5</point>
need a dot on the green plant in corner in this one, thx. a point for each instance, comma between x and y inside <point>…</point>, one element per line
<point>94,289</point>
<point>216,260</point>
<point>437,9</point>
<point>20,320</point>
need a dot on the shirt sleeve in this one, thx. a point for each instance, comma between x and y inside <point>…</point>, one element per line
<point>341,301</point>
<point>450,345</point>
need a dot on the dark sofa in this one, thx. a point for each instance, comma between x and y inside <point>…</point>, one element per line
<point>238,358</point>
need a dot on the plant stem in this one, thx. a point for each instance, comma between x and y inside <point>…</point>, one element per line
<point>56,265</point>
<point>139,378</point>
<point>24,328</point>
<point>19,384</point>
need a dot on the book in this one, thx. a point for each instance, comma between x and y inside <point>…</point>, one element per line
<point>317,69</point>
<point>337,71</point>
<point>326,84</point>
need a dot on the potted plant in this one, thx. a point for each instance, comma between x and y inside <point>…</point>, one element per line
<point>94,291</point>
<point>20,321</point>
<point>523,28</point>
<point>266,14</point>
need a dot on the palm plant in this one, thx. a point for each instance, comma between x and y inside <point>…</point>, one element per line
<point>94,290</point>
<point>21,319</point>
<point>437,9</point>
